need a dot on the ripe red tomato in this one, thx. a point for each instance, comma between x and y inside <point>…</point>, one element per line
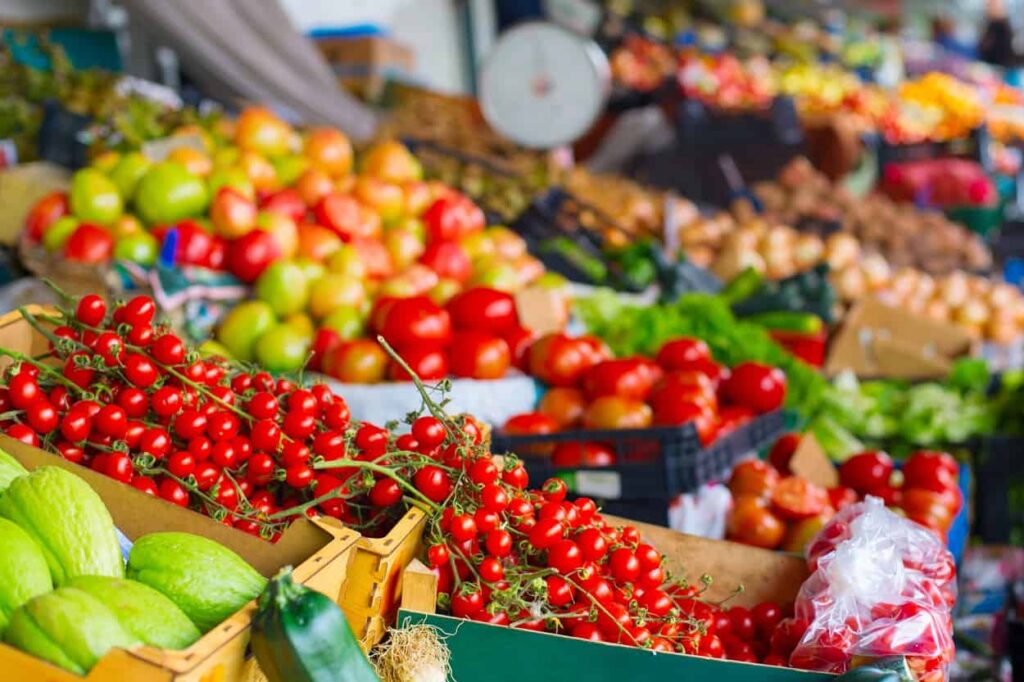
<point>483,309</point>
<point>758,386</point>
<point>683,353</point>
<point>683,412</point>
<point>432,482</point>
<point>287,201</point>
<point>478,355</point>
<point>251,254</point>
<point>519,340</point>
<point>428,362</point>
<point>796,498</point>
<point>530,423</point>
<point>841,496</point>
<point>930,470</point>
<point>586,454</point>
<point>344,215</point>
<point>559,360</point>
<point>631,378</point>
<point>766,617</point>
<point>929,508</point>
<point>565,405</point>
<point>362,361</point>
<point>751,523</point>
<point>783,450</point>
<point>686,384</point>
<point>452,217</point>
<point>50,208</point>
<point>89,244</point>
<point>753,477</point>
<point>407,322</point>
<point>866,471</point>
<point>449,260</point>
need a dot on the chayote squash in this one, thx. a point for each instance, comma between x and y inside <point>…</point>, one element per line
<point>23,570</point>
<point>69,522</point>
<point>10,469</point>
<point>206,580</point>
<point>68,628</point>
<point>141,610</point>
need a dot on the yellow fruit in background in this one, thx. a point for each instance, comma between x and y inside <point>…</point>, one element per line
<point>282,228</point>
<point>328,150</point>
<point>346,261</point>
<point>333,291</point>
<point>195,161</point>
<point>126,225</point>
<point>260,130</point>
<point>192,130</point>
<point>259,171</point>
<point>419,196</point>
<point>479,245</point>
<point>348,322</point>
<point>231,176</point>
<point>311,269</point>
<point>391,161</point>
<point>385,198</point>
<point>507,243</point>
<point>302,323</point>
<point>497,275</point>
<point>226,157</point>
<point>105,161</point>
<point>404,246</point>
<point>444,290</point>
<point>289,168</point>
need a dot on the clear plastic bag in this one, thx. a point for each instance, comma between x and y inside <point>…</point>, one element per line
<point>881,585</point>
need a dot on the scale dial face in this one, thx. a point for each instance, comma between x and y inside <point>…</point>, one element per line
<point>542,86</point>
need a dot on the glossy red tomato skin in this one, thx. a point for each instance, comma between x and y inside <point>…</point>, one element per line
<point>930,470</point>
<point>483,309</point>
<point>866,471</point>
<point>758,386</point>
<point>449,260</point>
<point>631,378</point>
<point>683,412</point>
<point>479,355</point>
<point>782,451</point>
<point>89,244</point>
<point>530,423</point>
<point>560,360</point>
<point>584,454</point>
<point>428,362</point>
<point>407,322</point>
<point>452,217</point>
<point>682,353</point>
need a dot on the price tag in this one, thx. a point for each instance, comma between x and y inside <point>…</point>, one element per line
<point>601,484</point>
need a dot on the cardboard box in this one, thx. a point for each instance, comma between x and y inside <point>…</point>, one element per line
<point>319,552</point>
<point>489,652</point>
<point>880,341</point>
<point>361,55</point>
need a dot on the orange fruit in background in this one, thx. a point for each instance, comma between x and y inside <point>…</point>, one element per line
<point>313,185</point>
<point>752,523</point>
<point>393,162</point>
<point>613,412</point>
<point>753,477</point>
<point>565,405</point>
<point>260,172</point>
<point>259,129</point>
<point>328,150</point>
<point>194,161</point>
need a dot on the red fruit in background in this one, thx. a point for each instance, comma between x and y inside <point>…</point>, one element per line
<point>559,360</point>
<point>287,201</point>
<point>375,256</point>
<point>841,496</point>
<point>89,244</point>
<point>362,361</point>
<point>194,242</point>
<point>530,423</point>
<point>317,242</point>
<point>930,470</point>
<point>452,217</point>
<point>250,255</point>
<point>449,260</point>
<point>326,340</point>
<point>630,378</point>
<point>519,340</point>
<point>44,213</point>
<point>783,450</point>
<point>676,413</point>
<point>866,471</point>
<point>348,218</point>
<point>758,386</point>
<point>753,477</point>
<point>687,386</point>
<point>795,498</point>
<point>483,309</point>
<point>427,362</point>
<point>684,353</point>
<point>407,322</point>
<point>929,508</point>
<point>218,256</point>
<point>614,412</point>
<point>478,355</point>
<point>732,417</point>
<point>582,455</point>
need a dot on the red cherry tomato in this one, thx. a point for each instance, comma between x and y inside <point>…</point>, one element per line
<point>783,450</point>
<point>478,355</point>
<point>483,309</point>
<point>683,353</point>
<point>930,470</point>
<point>530,423</point>
<point>586,454</point>
<point>50,208</point>
<point>408,322</point>
<point>428,362</point>
<point>796,498</point>
<point>866,471</point>
<point>758,386</point>
<point>631,378</point>
<point>89,244</point>
<point>559,360</point>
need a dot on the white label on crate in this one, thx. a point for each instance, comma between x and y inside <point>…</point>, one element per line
<point>603,484</point>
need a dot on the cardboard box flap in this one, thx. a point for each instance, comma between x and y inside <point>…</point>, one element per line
<point>136,514</point>
<point>810,462</point>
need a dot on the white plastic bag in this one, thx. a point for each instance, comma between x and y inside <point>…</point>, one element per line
<point>881,585</point>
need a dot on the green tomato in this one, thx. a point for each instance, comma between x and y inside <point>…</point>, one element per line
<point>243,326</point>
<point>289,168</point>
<point>231,177</point>
<point>139,247</point>
<point>127,173</point>
<point>551,280</point>
<point>311,269</point>
<point>348,321</point>
<point>284,287</point>
<point>282,349</point>
<point>168,193</point>
<point>58,232</point>
<point>214,349</point>
<point>501,277</point>
<point>95,198</point>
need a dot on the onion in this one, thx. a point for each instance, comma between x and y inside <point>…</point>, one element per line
<point>412,654</point>
<point>733,261</point>
<point>1002,328</point>
<point>1002,295</point>
<point>953,289</point>
<point>973,313</point>
<point>904,282</point>
<point>876,270</point>
<point>841,249</point>
<point>851,284</point>
<point>808,250</point>
<point>937,309</point>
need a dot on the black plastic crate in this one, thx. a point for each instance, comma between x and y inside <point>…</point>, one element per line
<point>999,493</point>
<point>974,147</point>
<point>658,462</point>
<point>1015,646</point>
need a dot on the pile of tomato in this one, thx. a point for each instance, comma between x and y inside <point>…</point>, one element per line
<point>777,510</point>
<point>588,389</point>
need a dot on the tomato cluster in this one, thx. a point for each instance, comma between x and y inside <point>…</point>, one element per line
<point>929,494</point>
<point>774,509</point>
<point>683,384</point>
<point>531,559</point>
<point>879,586</point>
<point>476,335</point>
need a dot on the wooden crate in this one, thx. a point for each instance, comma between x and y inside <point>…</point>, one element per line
<point>370,597</point>
<point>220,655</point>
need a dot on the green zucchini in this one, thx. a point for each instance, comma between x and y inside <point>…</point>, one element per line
<point>743,286</point>
<point>300,635</point>
<point>785,321</point>
<point>888,669</point>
